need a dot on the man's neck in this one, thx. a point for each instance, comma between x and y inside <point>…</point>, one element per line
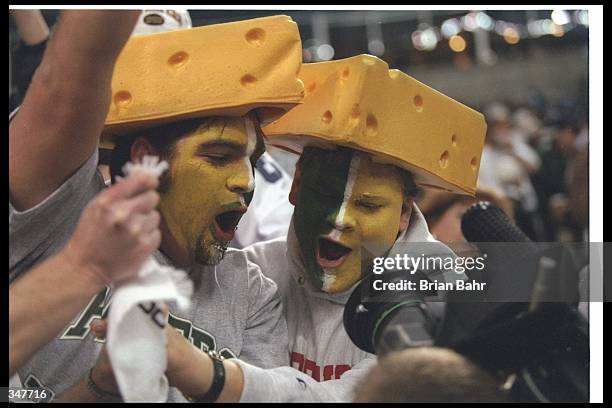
<point>170,248</point>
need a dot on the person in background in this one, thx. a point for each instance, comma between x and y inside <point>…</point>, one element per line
<point>428,374</point>
<point>578,195</point>
<point>443,212</point>
<point>507,163</point>
<point>552,179</point>
<point>269,212</point>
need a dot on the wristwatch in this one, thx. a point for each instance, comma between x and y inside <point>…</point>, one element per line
<point>217,383</point>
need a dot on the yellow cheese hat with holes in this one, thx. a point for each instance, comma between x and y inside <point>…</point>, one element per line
<point>359,103</point>
<point>222,69</point>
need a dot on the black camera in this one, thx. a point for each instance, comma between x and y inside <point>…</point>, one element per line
<point>525,328</point>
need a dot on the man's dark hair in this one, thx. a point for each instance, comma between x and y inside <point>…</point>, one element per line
<point>428,374</point>
<point>163,138</point>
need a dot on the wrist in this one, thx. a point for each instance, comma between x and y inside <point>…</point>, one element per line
<point>99,388</point>
<point>91,276</point>
<point>194,376</point>
<point>218,380</point>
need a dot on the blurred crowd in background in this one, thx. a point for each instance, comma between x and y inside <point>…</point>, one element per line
<point>526,71</point>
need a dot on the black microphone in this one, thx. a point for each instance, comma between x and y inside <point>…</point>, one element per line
<point>520,268</point>
<point>528,322</point>
<point>485,222</point>
<point>512,330</point>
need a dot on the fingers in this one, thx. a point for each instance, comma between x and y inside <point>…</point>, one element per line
<point>124,210</point>
<point>133,185</point>
<point>142,227</point>
<point>152,241</point>
<point>98,328</point>
<point>165,310</point>
<point>136,215</point>
<point>150,222</point>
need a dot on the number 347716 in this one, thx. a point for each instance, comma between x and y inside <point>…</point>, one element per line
<point>26,394</point>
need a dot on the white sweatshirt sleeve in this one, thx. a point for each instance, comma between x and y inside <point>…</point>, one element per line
<point>286,384</point>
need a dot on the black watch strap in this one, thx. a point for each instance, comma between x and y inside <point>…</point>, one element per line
<point>217,383</point>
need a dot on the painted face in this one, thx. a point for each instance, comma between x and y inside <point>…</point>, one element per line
<point>347,212</point>
<point>211,183</point>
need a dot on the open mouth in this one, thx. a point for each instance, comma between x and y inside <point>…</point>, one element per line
<point>330,253</point>
<point>226,223</point>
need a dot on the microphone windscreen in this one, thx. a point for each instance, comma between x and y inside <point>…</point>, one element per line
<point>485,222</point>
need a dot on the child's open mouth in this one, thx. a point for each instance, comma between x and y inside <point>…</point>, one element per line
<point>330,253</point>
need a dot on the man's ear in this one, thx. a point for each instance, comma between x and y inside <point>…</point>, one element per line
<point>140,148</point>
<point>295,186</point>
<point>405,217</point>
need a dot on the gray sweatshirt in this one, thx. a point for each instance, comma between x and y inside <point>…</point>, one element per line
<point>235,309</point>
<point>325,365</point>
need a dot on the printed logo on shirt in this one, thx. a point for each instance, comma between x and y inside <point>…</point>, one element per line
<point>32,381</point>
<point>96,309</point>
<point>330,372</point>
<point>200,338</point>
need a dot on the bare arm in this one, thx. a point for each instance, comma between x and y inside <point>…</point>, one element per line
<point>72,289</point>
<point>59,123</point>
<point>189,369</point>
<point>117,231</point>
<point>31,26</point>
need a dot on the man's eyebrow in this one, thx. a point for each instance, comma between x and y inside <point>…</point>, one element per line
<point>222,143</point>
<point>370,196</point>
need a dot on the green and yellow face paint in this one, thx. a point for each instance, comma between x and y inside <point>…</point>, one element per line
<point>347,212</point>
<point>211,182</point>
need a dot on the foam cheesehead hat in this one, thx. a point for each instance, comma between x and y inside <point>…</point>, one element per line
<point>359,103</point>
<point>222,69</point>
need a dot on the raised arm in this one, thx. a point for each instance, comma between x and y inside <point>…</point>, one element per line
<point>59,123</point>
<point>31,26</point>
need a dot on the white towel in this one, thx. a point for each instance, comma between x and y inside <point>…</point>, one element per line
<point>135,340</point>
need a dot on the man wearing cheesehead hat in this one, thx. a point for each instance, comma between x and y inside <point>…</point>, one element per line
<point>189,96</point>
<point>367,136</point>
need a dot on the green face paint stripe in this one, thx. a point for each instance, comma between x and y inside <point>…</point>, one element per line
<point>324,179</point>
<point>232,206</point>
<point>248,197</point>
<point>211,228</point>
